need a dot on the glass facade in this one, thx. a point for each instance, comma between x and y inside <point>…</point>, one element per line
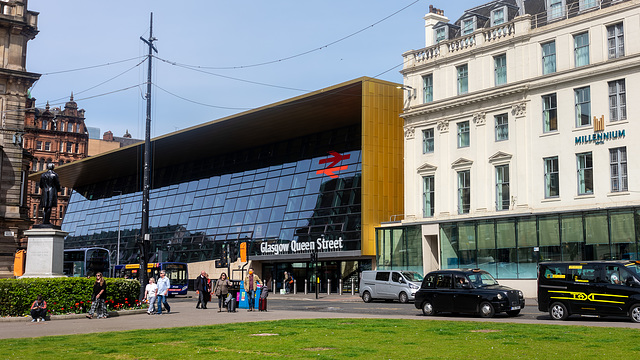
<point>281,192</point>
<point>510,248</point>
<point>399,248</point>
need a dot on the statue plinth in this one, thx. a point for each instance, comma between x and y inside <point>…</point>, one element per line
<point>45,252</point>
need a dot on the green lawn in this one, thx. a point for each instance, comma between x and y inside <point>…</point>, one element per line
<point>339,339</point>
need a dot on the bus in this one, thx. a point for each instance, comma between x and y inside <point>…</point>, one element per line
<point>176,272</point>
<point>86,262</point>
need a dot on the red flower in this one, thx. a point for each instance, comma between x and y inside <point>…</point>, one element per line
<point>61,308</point>
<point>77,304</point>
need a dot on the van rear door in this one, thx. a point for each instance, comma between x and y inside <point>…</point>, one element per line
<point>382,285</point>
<point>586,289</point>
<point>620,289</point>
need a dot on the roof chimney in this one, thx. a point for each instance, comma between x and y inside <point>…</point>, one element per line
<point>430,20</point>
<point>108,136</point>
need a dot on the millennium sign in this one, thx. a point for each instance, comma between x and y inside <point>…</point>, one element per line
<point>599,136</point>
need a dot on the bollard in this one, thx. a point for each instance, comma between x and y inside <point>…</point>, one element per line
<point>340,287</point>
<point>295,287</point>
<point>273,285</point>
<point>306,286</point>
<point>353,288</point>
<point>284,286</point>
<point>328,286</point>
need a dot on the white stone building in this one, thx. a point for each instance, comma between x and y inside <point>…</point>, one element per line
<point>519,118</point>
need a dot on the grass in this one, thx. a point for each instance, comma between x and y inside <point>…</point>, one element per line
<point>339,339</point>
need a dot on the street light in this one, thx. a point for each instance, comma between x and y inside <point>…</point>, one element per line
<point>411,91</point>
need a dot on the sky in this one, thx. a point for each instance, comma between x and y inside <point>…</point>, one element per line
<point>215,58</point>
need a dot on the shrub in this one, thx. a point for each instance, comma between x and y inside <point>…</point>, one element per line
<point>64,295</point>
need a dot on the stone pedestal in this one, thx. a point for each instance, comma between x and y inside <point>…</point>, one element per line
<point>45,253</point>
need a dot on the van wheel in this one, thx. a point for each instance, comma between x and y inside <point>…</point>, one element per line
<point>427,308</point>
<point>403,297</point>
<point>487,310</point>
<point>559,312</point>
<point>634,313</point>
<point>366,297</point>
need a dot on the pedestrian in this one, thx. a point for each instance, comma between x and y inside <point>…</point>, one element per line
<point>97,299</point>
<point>289,283</point>
<point>202,288</point>
<point>262,303</point>
<point>251,282</point>
<point>285,283</point>
<point>150,294</point>
<point>38,309</point>
<point>163,291</point>
<point>222,289</point>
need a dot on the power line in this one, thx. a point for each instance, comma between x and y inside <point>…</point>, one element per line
<point>90,67</point>
<point>292,56</point>
<point>199,103</point>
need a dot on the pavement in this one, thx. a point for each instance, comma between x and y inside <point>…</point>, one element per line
<point>183,313</point>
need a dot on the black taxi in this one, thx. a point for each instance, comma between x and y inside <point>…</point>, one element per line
<point>467,291</point>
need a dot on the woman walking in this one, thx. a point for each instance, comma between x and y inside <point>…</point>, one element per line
<point>222,289</point>
<point>99,295</point>
<point>150,293</point>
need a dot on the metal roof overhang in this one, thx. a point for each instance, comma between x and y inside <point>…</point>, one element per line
<point>322,110</point>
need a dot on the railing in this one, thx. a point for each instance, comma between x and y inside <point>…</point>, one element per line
<point>500,31</point>
<point>570,11</point>
<point>461,43</point>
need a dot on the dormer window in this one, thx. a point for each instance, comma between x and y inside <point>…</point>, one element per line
<point>441,34</point>
<point>555,9</point>
<point>468,26</point>
<point>497,17</point>
<point>587,4</point>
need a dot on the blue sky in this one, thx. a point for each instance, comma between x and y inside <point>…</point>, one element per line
<point>209,48</point>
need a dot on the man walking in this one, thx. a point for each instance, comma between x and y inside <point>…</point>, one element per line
<point>202,289</point>
<point>163,292</point>
<point>251,282</point>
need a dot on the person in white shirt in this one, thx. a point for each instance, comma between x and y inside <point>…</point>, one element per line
<point>150,293</point>
<point>163,292</point>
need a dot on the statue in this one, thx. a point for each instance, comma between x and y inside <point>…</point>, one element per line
<point>50,186</point>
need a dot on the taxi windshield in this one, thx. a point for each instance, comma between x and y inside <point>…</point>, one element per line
<point>634,268</point>
<point>480,279</point>
<point>412,276</point>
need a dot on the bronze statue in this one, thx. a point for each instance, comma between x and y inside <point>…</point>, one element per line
<point>50,186</point>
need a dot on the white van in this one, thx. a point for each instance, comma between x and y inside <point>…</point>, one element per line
<point>389,285</point>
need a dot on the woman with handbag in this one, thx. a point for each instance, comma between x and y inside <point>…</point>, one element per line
<point>222,289</point>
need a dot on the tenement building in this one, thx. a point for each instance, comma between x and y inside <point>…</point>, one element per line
<point>56,136</point>
<point>517,138</point>
<point>314,174</point>
<point>17,26</point>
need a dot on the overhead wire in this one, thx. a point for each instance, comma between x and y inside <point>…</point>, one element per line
<point>296,55</point>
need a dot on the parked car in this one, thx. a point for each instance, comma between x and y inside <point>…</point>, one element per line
<point>595,288</point>
<point>389,285</point>
<point>467,291</point>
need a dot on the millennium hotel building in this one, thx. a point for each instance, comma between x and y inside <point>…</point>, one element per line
<point>520,139</point>
<point>319,171</point>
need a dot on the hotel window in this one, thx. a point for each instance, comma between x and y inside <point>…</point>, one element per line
<point>76,146</point>
<point>549,57</point>
<point>427,88</point>
<point>583,106</point>
<point>615,40</point>
<point>555,9</point>
<point>441,34</point>
<point>47,146</point>
<point>550,112</point>
<point>427,141</point>
<point>618,162</point>
<point>581,49</point>
<point>45,124</point>
<point>463,134</point>
<point>500,69</point>
<point>38,145</point>
<point>497,17</point>
<point>463,79</point>
<point>464,192</point>
<point>502,127</point>
<point>585,173</point>
<point>467,26</point>
<point>69,147</point>
<point>428,196</point>
<point>502,188</point>
<point>587,4</point>
<point>551,177</point>
<point>617,100</point>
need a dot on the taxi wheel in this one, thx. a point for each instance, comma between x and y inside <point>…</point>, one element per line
<point>487,310</point>
<point>558,311</point>
<point>403,297</point>
<point>427,308</point>
<point>634,313</point>
<point>366,297</point>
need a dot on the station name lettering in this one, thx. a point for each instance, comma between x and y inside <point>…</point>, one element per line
<point>293,247</point>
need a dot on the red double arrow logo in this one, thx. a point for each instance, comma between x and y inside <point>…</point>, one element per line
<point>333,160</point>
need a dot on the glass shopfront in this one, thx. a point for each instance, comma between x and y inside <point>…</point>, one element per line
<point>296,190</point>
<point>510,248</point>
